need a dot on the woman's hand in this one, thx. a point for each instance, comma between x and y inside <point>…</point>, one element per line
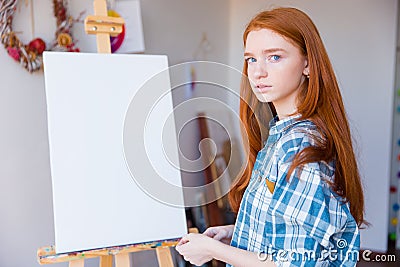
<point>196,248</point>
<point>201,248</point>
<point>220,233</point>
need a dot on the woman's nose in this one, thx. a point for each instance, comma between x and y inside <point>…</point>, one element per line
<point>261,69</point>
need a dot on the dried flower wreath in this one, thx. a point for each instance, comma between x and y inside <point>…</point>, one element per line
<point>30,55</point>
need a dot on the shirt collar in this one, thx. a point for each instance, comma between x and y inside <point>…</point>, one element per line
<point>276,126</point>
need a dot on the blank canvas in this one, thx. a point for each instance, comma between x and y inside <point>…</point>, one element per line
<point>96,201</point>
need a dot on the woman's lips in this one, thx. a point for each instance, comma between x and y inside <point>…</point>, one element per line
<point>263,88</point>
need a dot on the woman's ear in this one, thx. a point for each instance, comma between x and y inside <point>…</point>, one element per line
<point>306,70</point>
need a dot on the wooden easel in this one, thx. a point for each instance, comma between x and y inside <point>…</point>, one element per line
<point>104,26</point>
<point>47,255</point>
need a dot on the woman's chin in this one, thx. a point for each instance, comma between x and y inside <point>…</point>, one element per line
<point>263,98</point>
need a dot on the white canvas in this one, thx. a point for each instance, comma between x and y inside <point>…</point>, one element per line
<point>97,203</point>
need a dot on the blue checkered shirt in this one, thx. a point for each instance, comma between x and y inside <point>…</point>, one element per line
<point>302,222</point>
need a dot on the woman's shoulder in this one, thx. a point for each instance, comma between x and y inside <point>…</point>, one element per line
<point>295,138</point>
<point>299,134</point>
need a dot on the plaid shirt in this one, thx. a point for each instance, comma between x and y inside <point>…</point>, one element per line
<point>302,222</point>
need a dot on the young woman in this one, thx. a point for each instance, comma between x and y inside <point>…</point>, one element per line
<point>300,199</point>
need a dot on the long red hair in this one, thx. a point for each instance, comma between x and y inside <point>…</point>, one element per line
<point>319,101</point>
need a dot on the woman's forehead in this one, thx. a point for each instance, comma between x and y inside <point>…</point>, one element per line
<point>266,39</point>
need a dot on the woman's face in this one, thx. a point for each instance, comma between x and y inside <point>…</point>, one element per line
<point>276,69</point>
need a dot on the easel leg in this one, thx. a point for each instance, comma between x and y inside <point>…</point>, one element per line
<point>122,260</point>
<point>106,261</point>
<point>164,257</point>
<point>77,263</point>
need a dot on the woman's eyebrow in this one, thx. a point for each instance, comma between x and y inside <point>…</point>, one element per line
<point>273,50</point>
<point>267,51</point>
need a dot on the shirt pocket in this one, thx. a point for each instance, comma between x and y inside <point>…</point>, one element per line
<point>264,167</point>
<point>261,174</point>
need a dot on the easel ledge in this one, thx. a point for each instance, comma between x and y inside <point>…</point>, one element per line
<point>47,255</point>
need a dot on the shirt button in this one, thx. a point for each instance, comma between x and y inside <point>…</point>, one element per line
<point>259,178</point>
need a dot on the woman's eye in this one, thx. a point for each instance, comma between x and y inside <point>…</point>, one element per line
<point>275,58</point>
<point>250,60</point>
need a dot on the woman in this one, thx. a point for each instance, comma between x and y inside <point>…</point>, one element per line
<point>300,199</point>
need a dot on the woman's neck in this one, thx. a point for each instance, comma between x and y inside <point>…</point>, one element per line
<point>282,114</point>
<point>285,108</point>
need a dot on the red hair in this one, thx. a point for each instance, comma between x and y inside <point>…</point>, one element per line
<point>319,101</point>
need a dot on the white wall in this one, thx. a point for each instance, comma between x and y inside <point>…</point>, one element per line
<point>175,28</point>
<point>360,36</point>
<point>26,210</point>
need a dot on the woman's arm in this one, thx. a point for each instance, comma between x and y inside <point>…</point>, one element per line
<point>199,249</point>
<point>221,233</point>
<point>239,257</point>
